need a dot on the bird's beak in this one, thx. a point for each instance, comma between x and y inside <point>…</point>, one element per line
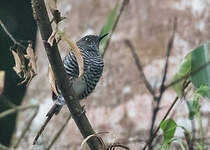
<point>102,36</point>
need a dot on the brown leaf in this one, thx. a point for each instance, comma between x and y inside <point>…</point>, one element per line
<point>52,38</point>
<point>2,79</point>
<point>25,72</point>
<point>31,70</point>
<point>76,51</point>
<point>18,68</point>
<point>52,80</point>
<point>57,15</point>
<point>31,57</point>
<point>78,56</point>
<point>52,4</point>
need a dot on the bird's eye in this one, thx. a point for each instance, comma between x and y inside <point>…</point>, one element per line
<point>86,39</point>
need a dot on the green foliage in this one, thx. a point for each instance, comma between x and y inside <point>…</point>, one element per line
<point>184,68</point>
<point>203,91</point>
<point>186,132</point>
<point>192,62</point>
<point>200,56</point>
<point>199,146</point>
<point>165,146</point>
<point>194,105</point>
<point>194,108</point>
<point>107,28</point>
<point>169,128</point>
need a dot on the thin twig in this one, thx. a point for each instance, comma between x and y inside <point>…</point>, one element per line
<point>193,133</point>
<point>59,133</point>
<point>42,128</point>
<point>64,84</point>
<point>2,147</point>
<point>124,3</point>
<point>158,99</point>
<point>10,36</point>
<point>6,101</point>
<point>187,75</point>
<point>16,109</point>
<point>169,47</point>
<point>26,128</point>
<point>139,66</point>
<point>167,113</point>
<point>165,116</point>
<point>201,130</point>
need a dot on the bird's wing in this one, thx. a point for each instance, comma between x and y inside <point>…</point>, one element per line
<point>71,66</point>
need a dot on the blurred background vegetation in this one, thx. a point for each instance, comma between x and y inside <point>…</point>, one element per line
<point>121,96</point>
<point>17,16</point>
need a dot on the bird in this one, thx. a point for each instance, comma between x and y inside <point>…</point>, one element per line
<point>93,69</point>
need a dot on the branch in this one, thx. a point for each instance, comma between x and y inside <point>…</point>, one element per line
<point>2,147</point>
<point>158,128</point>
<point>124,3</point>
<point>59,133</point>
<point>16,109</point>
<point>26,128</point>
<point>158,99</point>
<point>187,75</point>
<point>165,116</point>
<point>10,36</point>
<point>169,47</point>
<point>42,19</point>
<point>6,101</point>
<point>139,66</point>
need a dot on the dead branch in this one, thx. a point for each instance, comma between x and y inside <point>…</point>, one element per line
<point>2,147</point>
<point>139,66</point>
<point>42,19</point>
<point>10,36</point>
<point>165,116</point>
<point>124,3</point>
<point>59,133</point>
<point>17,109</point>
<point>26,128</point>
<point>158,99</point>
<point>187,75</point>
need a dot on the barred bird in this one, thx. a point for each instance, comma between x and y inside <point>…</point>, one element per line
<point>93,68</point>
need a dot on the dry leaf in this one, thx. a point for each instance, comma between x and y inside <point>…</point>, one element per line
<point>78,56</point>
<point>57,15</point>
<point>31,57</point>
<point>31,68</point>
<point>97,136</point>
<point>2,79</point>
<point>52,4</point>
<point>77,53</point>
<point>17,67</point>
<point>19,62</point>
<point>52,37</point>
<point>20,67</point>
<point>52,80</point>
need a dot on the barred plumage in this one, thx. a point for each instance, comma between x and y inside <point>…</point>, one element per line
<point>93,68</point>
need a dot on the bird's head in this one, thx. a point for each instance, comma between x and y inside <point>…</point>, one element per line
<point>91,41</point>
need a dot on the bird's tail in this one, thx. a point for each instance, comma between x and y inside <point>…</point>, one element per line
<point>55,109</point>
